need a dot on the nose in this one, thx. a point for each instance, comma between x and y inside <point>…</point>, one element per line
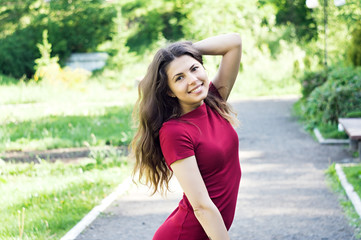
<point>192,79</point>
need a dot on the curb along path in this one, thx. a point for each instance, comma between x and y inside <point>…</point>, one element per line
<point>351,194</point>
<point>94,213</point>
<point>282,196</point>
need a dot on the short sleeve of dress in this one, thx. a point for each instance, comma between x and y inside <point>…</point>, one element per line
<point>175,142</point>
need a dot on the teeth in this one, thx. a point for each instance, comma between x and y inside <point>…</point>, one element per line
<point>195,90</point>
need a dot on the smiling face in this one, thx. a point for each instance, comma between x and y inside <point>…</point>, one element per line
<point>188,81</point>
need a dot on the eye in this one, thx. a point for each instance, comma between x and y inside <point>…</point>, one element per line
<point>179,78</point>
<point>195,69</point>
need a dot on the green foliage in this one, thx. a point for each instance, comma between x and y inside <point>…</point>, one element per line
<point>73,27</point>
<point>48,69</point>
<point>355,114</point>
<point>78,27</point>
<point>354,52</point>
<point>105,158</point>
<point>311,80</point>
<point>295,12</point>
<point>353,174</point>
<point>350,13</point>
<point>331,131</point>
<point>117,48</point>
<point>6,80</point>
<point>18,52</point>
<point>338,96</point>
<point>13,15</point>
<point>154,22</point>
<point>141,26</point>
<point>45,53</point>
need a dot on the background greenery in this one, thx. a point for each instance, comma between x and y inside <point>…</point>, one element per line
<point>45,105</point>
<point>283,49</point>
<point>282,38</point>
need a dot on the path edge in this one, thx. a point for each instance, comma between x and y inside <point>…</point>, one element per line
<point>351,194</point>
<point>93,214</point>
<point>321,140</point>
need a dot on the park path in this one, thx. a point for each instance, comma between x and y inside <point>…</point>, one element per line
<point>283,194</point>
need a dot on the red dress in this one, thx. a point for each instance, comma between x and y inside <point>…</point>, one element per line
<point>207,135</point>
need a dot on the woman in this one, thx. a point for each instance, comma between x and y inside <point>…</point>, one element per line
<point>185,129</point>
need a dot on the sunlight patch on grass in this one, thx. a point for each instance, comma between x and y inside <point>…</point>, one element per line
<point>108,126</point>
<point>91,91</point>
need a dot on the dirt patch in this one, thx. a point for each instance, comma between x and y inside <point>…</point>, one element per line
<point>64,154</point>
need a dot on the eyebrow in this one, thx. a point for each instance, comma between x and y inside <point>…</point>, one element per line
<point>178,74</point>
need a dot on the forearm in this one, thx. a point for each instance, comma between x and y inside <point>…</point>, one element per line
<point>212,223</point>
<point>219,45</point>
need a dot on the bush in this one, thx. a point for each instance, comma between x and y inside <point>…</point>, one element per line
<point>6,80</point>
<point>337,97</point>
<point>73,27</point>
<point>356,114</point>
<point>80,27</point>
<point>18,52</point>
<point>311,80</point>
<point>48,69</point>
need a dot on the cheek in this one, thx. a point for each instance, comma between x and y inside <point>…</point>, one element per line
<point>175,88</point>
<point>204,74</point>
<point>204,77</point>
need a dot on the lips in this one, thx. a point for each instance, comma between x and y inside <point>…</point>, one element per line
<point>196,89</point>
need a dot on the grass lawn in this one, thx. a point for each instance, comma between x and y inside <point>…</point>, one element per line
<point>95,127</point>
<point>109,86</point>
<point>330,131</point>
<point>353,175</point>
<point>40,116</point>
<point>52,198</point>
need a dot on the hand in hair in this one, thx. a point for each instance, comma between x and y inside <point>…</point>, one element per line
<point>230,47</point>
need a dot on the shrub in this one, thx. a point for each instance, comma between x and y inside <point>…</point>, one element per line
<point>48,69</point>
<point>18,52</point>
<point>6,80</point>
<point>356,114</point>
<point>337,97</point>
<point>79,27</point>
<point>74,26</point>
<point>311,80</point>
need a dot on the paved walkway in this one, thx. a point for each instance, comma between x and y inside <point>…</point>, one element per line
<point>282,196</point>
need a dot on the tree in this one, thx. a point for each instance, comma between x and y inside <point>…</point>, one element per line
<point>152,21</point>
<point>296,13</point>
<point>73,26</point>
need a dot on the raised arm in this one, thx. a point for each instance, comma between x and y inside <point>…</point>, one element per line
<point>230,47</point>
<point>208,215</point>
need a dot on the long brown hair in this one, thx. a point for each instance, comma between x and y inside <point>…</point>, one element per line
<point>154,107</point>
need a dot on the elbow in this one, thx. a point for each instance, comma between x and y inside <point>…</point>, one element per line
<point>237,39</point>
<point>236,43</point>
<point>202,207</point>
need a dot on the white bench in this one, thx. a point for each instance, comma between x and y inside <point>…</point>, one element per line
<point>352,127</point>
